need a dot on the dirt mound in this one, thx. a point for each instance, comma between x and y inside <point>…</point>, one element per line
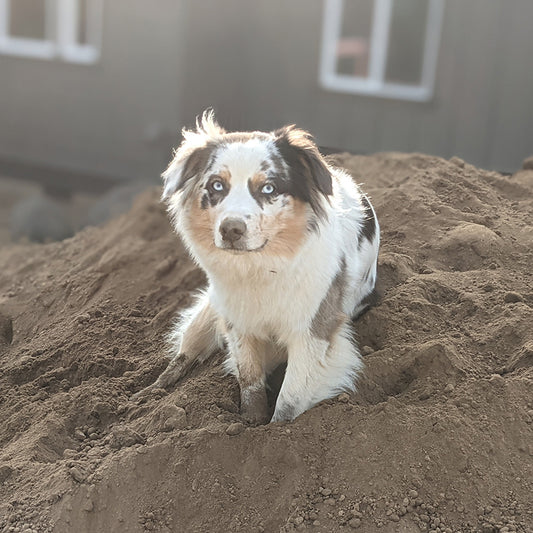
<point>439,436</point>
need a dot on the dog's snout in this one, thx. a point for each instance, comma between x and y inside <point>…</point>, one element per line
<point>232,229</point>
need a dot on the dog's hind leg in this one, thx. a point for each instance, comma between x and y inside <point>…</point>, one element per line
<point>194,339</point>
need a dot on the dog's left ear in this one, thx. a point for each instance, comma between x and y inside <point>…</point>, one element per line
<point>308,168</point>
<point>192,156</point>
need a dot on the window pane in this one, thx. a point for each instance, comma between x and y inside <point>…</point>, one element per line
<point>353,47</point>
<point>406,41</point>
<point>82,21</point>
<point>28,19</point>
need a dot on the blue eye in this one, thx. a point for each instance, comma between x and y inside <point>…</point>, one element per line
<point>268,188</point>
<point>217,186</point>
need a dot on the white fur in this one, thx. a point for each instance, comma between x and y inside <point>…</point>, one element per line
<point>274,299</point>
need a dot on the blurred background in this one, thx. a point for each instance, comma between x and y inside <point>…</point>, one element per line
<point>93,93</point>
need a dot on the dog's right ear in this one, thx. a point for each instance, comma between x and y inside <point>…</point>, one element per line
<point>192,156</point>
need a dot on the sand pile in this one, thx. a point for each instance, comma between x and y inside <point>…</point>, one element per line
<point>438,438</point>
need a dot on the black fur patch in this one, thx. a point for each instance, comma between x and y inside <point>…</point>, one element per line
<point>215,197</point>
<point>370,300</point>
<point>328,316</point>
<point>368,231</point>
<point>277,180</point>
<point>205,201</point>
<point>313,225</point>
<point>309,178</point>
<point>194,166</point>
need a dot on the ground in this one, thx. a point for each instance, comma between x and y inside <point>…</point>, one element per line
<point>438,436</point>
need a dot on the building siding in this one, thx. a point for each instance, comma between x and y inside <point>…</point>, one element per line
<point>256,64</point>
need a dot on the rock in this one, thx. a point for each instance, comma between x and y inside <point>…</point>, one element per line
<point>124,438</point>
<point>354,523</point>
<point>367,350</point>
<point>88,506</point>
<point>521,359</point>
<point>344,397</point>
<point>5,473</point>
<point>77,474</point>
<point>83,318</point>
<point>79,434</point>
<point>177,421</point>
<point>235,429</point>
<point>512,297</point>
<point>69,453</point>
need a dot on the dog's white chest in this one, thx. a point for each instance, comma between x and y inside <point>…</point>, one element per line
<point>273,305</point>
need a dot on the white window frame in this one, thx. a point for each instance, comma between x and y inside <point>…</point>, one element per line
<point>374,84</point>
<point>61,23</point>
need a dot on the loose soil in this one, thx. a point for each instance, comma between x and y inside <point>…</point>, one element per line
<point>438,436</point>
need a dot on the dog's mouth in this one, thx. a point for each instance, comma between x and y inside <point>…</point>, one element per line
<point>236,250</point>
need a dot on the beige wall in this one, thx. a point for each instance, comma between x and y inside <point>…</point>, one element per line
<point>96,117</point>
<point>482,109</point>
<point>256,63</point>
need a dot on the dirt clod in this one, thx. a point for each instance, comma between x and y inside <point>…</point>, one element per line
<point>235,429</point>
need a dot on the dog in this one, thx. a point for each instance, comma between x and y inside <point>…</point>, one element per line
<point>289,244</point>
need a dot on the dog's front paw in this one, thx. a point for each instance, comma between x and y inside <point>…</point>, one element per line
<point>284,413</point>
<point>254,404</point>
<point>255,416</point>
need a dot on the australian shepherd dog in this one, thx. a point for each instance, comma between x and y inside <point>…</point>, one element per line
<point>289,244</point>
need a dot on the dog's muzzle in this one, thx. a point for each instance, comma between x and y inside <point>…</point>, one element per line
<point>233,231</point>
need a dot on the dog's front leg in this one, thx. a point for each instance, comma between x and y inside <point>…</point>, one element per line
<point>317,369</point>
<point>196,339</point>
<point>247,355</point>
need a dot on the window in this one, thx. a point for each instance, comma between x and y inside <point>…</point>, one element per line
<point>49,29</point>
<point>384,48</point>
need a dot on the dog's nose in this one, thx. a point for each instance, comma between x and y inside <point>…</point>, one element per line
<point>232,229</point>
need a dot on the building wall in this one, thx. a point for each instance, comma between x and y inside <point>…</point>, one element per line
<point>256,63</point>
<point>100,118</point>
<point>482,110</point>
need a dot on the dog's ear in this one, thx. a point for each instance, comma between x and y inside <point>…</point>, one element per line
<point>187,163</point>
<point>309,172</point>
<point>192,156</point>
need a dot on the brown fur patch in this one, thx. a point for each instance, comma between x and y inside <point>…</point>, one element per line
<point>225,175</point>
<point>292,222</point>
<point>257,180</point>
<point>251,366</point>
<point>251,360</point>
<point>200,222</point>
<point>330,316</point>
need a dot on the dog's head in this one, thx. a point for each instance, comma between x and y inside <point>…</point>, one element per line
<point>251,192</point>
